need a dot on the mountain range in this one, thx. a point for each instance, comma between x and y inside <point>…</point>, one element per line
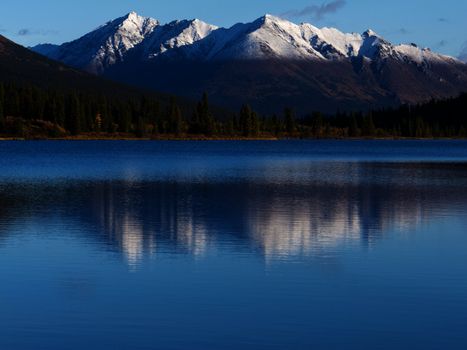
<point>270,63</point>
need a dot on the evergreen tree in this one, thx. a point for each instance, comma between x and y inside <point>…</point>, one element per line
<point>2,117</point>
<point>290,125</point>
<point>230,127</point>
<point>140,129</point>
<point>246,120</point>
<point>175,121</point>
<point>74,115</point>
<point>317,124</point>
<point>204,116</point>
<point>254,122</point>
<point>368,125</point>
<point>11,105</point>
<point>124,120</point>
<point>353,129</point>
<point>2,111</point>
<point>276,126</point>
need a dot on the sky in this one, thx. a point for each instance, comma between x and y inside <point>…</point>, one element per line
<point>440,25</point>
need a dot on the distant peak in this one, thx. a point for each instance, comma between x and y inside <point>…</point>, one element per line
<point>132,14</point>
<point>268,17</point>
<point>191,21</point>
<point>197,21</point>
<point>369,33</point>
<point>269,20</point>
<point>132,18</point>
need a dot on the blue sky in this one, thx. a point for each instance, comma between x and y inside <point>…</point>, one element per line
<point>441,25</point>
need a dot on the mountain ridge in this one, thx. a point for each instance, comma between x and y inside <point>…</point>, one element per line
<point>282,38</point>
<point>270,63</point>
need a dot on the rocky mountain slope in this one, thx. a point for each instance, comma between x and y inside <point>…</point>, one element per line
<point>270,63</point>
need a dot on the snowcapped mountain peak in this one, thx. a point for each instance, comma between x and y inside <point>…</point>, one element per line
<point>197,21</point>
<point>105,45</point>
<point>413,53</point>
<point>331,42</point>
<point>137,19</point>
<point>268,37</point>
<point>374,46</point>
<point>109,44</point>
<point>270,18</point>
<point>132,14</point>
<point>369,33</point>
<point>135,24</point>
<point>201,29</point>
<point>175,34</point>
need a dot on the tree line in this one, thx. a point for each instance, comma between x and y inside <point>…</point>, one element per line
<point>26,110</point>
<point>445,118</point>
<point>75,113</point>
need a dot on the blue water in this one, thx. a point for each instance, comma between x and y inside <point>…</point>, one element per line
<point>233,245</point>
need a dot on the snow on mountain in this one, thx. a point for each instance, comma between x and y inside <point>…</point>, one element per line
<point>118,37</point>
<point>175,35</point>
<point>374,47</point>
<point>112,42</point>
<point>414,53</point>
<point>104,46</point>
<point>272,37</point>
<point>332,43</point>
<point>268,37</point>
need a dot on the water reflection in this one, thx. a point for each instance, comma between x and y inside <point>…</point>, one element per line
<point>278,220</point>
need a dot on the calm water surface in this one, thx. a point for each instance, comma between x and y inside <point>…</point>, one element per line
<point>233,245</point>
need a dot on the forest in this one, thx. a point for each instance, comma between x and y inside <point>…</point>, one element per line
<point>28,111</point>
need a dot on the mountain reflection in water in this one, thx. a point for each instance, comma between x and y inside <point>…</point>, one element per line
<point>278,220</point>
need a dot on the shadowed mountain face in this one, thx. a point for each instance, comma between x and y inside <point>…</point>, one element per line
<point>22,66</point>
<point>270,63</point>
<point>270,86</point>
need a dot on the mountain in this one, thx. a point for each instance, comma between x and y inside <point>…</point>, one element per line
<point>104,46</point>
<point>111,43</point>
<point>266,38</point>
<point>20,66</point>
<point>270,63</point>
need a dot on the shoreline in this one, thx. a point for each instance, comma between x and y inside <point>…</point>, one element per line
<point>123,138</point>
<point>220,138</point>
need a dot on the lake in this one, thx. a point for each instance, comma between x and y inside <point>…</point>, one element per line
<point>233,245</point>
